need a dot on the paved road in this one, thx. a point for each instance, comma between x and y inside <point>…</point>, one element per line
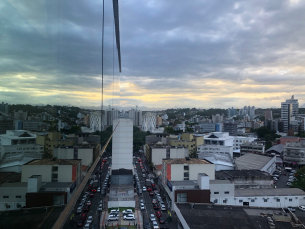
<point>94,201</point>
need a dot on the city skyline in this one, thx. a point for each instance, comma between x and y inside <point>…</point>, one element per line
<point>190,55</point>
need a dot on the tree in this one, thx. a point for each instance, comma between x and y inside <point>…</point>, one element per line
<point>300,179</point>
<point>169,130</point>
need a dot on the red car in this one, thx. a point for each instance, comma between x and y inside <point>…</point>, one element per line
<point>151,193</point>
<point>158,214</point>
<point>104,160</point>
<point>86,209</point>
<point>153,185</point>
<point>93,190</point>
<point>139,160</point>
<point>149,189</point>
<point>83,216</point>
<point>92,194</point>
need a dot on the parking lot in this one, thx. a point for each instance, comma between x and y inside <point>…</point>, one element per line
<point>281,182</point>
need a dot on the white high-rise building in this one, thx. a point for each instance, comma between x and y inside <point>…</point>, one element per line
<point>295,105</point>
<point>289,110</point>
<point>96,123</point>
<point>149,122</point>
<point>122,144</point>
<point>136,116</point>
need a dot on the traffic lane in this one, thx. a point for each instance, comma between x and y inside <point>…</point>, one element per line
<point>145,196</point>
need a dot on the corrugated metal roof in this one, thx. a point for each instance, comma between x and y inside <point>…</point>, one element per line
<point>269,192</point>
<point>252,161</point>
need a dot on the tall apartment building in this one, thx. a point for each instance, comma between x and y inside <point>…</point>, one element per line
<point>6,124</point>
<point>231,112</point>
<point>294,153</point>
<point>231,128</point>
<point>289,110</point>
<point>20,115</point>
<point>286,115</point>
<point>149,122</point>
<point>4,108</point>
<point>268,115</point>
<point>136,116</point>
<point>218,118</point>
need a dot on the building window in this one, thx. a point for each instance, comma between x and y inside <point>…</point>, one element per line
<point>186,174</point>
<point>182,197</point>
<point>216,192</point>
<point>6,197</point>
<point>240,201</point>
<point>18,196</point>
<point>8,206</point>
<point>54,176</point>
<point>186,167</point>
<point>277,200</point>
<point>290,200</point>
<point>265,200</point>
<point>252,200</point>
<point>19,206</point>
<point>227,192</point>
<point>215,201</point>
<point>224,201</point>
<point>55,168</point>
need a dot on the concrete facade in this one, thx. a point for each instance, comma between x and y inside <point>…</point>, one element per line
<point>122,144</point>
<point>183,169</point>
<point>59,170</point>
<point>13,196</point>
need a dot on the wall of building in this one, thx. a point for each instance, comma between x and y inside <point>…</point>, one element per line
<point>65,173</point>
<point>195,196</point>
<point>41,199</point>
<point>262,201</point>
<point>86,155</point>
<point>157,155</point>
<point>218,191</point>
<point>63,153</point>
<point>122,144</point>
<point>13,201</point>
<point>126,204</point>
<point>178,153</point>
<point>44,170</point>
<point>177,171</point>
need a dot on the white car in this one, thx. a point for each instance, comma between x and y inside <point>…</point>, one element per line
<point>129,217</point>
<point>90,219</point>
<point>152,217</point>
<point>302,208</point>
<point>288,184</point>
<point>291,209</point>
<point>142,207</point>
<point>144,189</point>
<point>163,208</point>
<point>155,225</point>
<point>141,201</point>
<point>115,211</point>
<point>79,210</point>
<point>127,211</point>
<point>112,218</point>
<point>87,226</point>
<point>100,207</point>
<point>99,189</point>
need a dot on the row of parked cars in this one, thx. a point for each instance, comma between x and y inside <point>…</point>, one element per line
<point>127,215</point>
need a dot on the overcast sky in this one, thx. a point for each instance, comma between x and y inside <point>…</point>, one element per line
<point>196,53</point>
